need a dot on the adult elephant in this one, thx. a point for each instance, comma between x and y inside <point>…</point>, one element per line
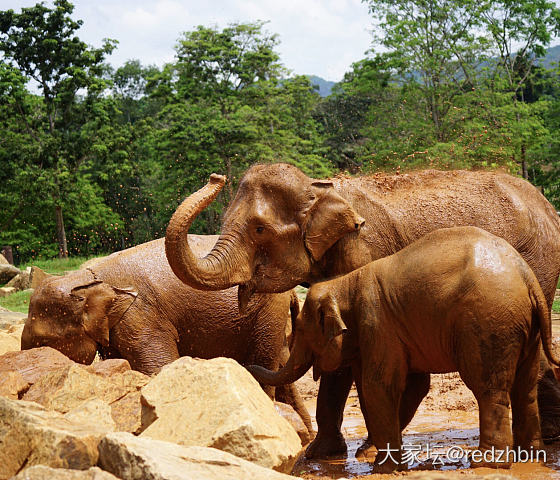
<point>130,305</point>
<point>284,228</point>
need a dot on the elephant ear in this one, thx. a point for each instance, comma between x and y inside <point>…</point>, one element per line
<point>332,324</point>
<point>104,305</point>
<point>329,218</point>
<point>332,327</point>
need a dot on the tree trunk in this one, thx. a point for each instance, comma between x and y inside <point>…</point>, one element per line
<point>61,233</point>
<point>524,170</point>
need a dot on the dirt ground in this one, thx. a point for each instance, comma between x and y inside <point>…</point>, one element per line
<point>448,417</point>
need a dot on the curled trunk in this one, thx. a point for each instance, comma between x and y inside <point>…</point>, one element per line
<point>225,265</point>
<point>299,362</point>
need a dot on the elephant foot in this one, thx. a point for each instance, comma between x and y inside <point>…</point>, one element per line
<point>324,446</point>
<point>365,447</point>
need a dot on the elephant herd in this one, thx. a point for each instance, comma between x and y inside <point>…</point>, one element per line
<point>428,272</point>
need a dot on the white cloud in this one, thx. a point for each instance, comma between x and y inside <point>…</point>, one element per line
<point>320,37</point>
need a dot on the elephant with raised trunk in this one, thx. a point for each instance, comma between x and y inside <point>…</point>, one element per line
<point>284,228</point>
<point>459,299</point>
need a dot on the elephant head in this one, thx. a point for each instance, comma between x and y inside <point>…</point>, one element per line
<point>74,315</point>
<point>278,226</point>
<point>321,339</point>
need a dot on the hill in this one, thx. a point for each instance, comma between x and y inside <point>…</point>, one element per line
<point>325,86</point>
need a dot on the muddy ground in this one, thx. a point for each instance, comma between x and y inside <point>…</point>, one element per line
<point>448,417</point>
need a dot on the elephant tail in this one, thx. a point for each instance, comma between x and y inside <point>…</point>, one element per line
<point>541,310</point>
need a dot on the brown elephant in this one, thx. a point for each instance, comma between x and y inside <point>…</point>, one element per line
<point>459,299</point>
<point>284,228</point>
<point>130,305</point>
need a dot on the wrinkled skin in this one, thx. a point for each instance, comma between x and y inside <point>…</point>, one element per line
<point>284,228</point>
<point>130,305</point>
<point>458,299</point>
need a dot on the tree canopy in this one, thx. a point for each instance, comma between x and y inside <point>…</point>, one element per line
<point>96,158</point>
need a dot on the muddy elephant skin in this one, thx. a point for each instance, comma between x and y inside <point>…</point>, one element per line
<point>284,228</point>
<point>459,299</point>
<point>130,305</point>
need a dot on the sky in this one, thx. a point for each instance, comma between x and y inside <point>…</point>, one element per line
<point>317,37</point>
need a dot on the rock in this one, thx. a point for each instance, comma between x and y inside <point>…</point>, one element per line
<point>37,276</point>
<point>93,410</point>
<point>66,388</point>
<point>134,458</point>
<point>5,291</point>
<point>7,319</point>
<point>22,281</point>
<point>40,472</point>
<point>289,414</point>
<point>31,435</point>
<point>110,367</point>
<point>217,403</point>
<point>34,363</point>
<point>12,384</point>
<point>3,260</point>
<point>127,413</point>
<point>9,342</point>
<point>7,272</point>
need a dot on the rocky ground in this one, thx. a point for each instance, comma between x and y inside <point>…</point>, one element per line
<point>200,419</point>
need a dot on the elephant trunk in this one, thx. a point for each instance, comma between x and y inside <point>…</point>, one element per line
<point>299,362</point>
<point>224,266</point>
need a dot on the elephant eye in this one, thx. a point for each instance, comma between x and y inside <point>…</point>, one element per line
<point>260,229</point>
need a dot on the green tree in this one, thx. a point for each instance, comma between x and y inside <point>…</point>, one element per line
<point>41,43</point>
<point>519,32</point>
<point>433,44</point>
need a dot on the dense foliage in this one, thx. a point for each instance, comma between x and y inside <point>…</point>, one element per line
<point>96,159</point>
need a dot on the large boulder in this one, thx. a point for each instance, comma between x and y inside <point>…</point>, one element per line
<point>34,363</point>
<point>133,458</point>
<point>31,435</point>
<point>40,472</point>
<point>217,403</point>
<point>3,260</point>
<point>66,388</point>
<point>7,272</point>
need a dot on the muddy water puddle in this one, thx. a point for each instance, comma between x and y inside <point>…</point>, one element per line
<point>447,419</point>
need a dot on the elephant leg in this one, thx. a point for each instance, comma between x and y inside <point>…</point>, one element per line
<point>524,406</point>
<point>492,392</point>
<point>331,399</point>
<point>495,425</point>
<point>382,421</point>
<point>150,360</point>
<point>417,387</point>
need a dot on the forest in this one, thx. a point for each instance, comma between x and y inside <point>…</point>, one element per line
<point>96,158</point>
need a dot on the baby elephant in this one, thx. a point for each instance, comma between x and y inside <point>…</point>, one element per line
<point>458,299</point>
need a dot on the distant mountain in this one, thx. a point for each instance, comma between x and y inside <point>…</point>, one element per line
<point>325,86</point>
<point>552,56</point>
